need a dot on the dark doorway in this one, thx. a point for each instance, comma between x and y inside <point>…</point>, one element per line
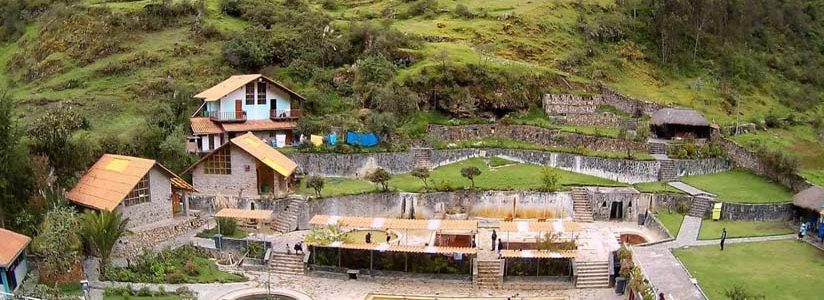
<point>616,210</point>
<point>253,206</point>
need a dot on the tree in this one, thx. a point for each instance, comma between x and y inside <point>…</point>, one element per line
<point>371,74</point>
<point>383,124</point>
<point>316,183</point>
<point>550,179</point>
<point>100,231</point>
<point>422,174</point>
<point>470,172</point>
<point>381,177</point>
<point>52,136</point>
<point>58,242</point>
<point>15,172</point>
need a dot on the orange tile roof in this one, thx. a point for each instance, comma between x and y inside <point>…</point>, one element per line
<point>235,82</point>
<point>203,125</point>
<point>13,244</point>
<point>245,214</point>
<point>257,125</point>
<point>112,177</point>
<point>265,153</point>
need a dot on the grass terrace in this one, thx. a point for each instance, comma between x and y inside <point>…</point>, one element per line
<point>186,264</point>
<point>671,220</point>
<point>740,186</point>
<point>711,230</point>
<point>657,187</point>
<point>517,176</point>
<point>786,269</point>
<point>516,144</point>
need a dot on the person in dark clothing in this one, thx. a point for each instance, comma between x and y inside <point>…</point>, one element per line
<point>661,296</point>
<point>500,246</point>
<point>494,237</point>
<point>298,247</point>
<point>472,244</point>
<point>723,237</point>
<point>368,237</point>
<point>388,236</point>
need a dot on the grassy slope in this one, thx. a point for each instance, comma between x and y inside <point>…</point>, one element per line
<point>800,140</point>
<point>510,177</point>
<point>656,187</point>
<point>672,221</point>
<point>740,186</point>
<point>711,230</point>
<point>776,270</point>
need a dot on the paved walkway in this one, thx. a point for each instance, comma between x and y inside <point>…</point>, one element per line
<point>667,274</point>
<point>689,189</point>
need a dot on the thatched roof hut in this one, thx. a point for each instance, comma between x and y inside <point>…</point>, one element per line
<point>678,116</point>
<point>678,123</point>
<point>812,198</point>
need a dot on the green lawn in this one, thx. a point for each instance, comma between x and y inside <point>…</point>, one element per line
<point>672,221</point>
<point>520,177</point>
<point>516,144</point>
<point>497,162</point>
<point>711,230</point>
<point>786,269</point>
<point>656,187</point>
<point>741,187</point>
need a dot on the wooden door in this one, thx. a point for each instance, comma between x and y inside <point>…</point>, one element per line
<point>175,202</point>
<point>238,109</point>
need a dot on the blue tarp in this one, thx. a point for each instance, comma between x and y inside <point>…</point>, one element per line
<point>332,139</point>
<point>361,139</point>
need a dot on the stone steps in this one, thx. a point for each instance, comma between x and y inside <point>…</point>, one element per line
<point>287,264</point>
<point>488,274</point>
<point>287,220</point>
<point>581,207</point>
<point>699,207</point>
<point>668,173</point>
<point>656,148</point>
<point>592,274</point>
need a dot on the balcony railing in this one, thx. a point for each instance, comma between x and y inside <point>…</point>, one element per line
<point>280,114</point>
<point>232,116</point>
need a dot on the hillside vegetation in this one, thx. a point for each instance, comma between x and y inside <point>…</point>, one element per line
<point>124,71</point>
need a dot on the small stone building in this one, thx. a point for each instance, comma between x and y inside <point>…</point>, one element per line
<point>140,189</point>
<point>13,260</point>
<point>675,123</point>
<point>245,167</point>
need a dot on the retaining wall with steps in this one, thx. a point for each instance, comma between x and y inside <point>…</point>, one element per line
<point>288,219</point>
<point>489,274</point>
<point>581,208</point>
<point>287,263</point>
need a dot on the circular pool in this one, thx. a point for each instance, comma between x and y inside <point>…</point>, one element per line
<point>632,239</point>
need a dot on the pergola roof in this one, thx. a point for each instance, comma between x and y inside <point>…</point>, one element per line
<point>534,226</point>
<point>244,214</point>
<point>389,223</point>
<point>678,116</point>
<point>810,198</point>
<point>403,248</point>
<point>537,254</point>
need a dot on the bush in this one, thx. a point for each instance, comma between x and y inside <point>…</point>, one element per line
<point>316,183</point>
<point>175,277</point>
<point>191,268</point>
<point>227,226</point>
<point>682,207</point>
<point>330,4</point>
<point>343,148</point>
<point>463,11</point>
<point>381,177</point>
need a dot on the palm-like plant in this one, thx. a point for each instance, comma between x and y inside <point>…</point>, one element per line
<point>100,231</point>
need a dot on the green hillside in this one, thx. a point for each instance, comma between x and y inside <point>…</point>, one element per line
<point>129,67</point>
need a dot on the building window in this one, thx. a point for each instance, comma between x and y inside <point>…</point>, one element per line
<point>261,92</point>
<point>219,162</point>
<point>140,193</point>
<point>250,93</point>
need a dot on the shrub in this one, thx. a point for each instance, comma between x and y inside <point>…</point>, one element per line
<point>550,179</point>
<point>330,4</point>
<point>381,177</point>
<point>463,11</point>
<point>144,292</point>
<point>191,268</point>
<point>470,172</point>
<point>682,207</point>
<point>175,277</point>
<point>738,292</point>
<point>422,174</point>
<point>343,148</point>
<point>227,226</point>
<point>316,183</point>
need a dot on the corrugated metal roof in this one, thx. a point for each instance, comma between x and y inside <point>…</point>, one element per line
<point>258,125</point>
<point>245,214</point>
<point>112,177</point>
<point>13,244</point>
<point>537,254</point>
<point>203,125</point>
<point>404,248</point>
<point>235,82</point>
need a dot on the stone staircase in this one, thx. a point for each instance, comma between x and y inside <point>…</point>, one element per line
<point>668,173</point>
<point>489,274</point>
<point>287,220</point>
<point>699,207</point>
<point>581,208</point>
<point>657,148</point>
<point>287,263</point>
<point>592,274</point>
<point>423,157</point>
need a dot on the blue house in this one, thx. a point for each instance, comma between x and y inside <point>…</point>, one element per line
<point>13,263</point>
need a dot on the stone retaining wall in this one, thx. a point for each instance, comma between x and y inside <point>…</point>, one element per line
<point>598,120</point>
<point>531,134</point>
<point>754,212</point>
<point>563,104</point>
<point>133,244</point>
<point>746,159</point>
<point>627,104</point>
<point>622,170</point>
<point>653,224</point>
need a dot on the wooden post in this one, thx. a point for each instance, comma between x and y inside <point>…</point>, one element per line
<point>371,254</point>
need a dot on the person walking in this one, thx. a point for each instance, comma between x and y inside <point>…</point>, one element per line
<point>388,236</point>
<point>500,246</point>
<point>494,237</point>
<point>723,237</point>
<point>299,247</point>
<point>368,237</point>
<point>472,244</point>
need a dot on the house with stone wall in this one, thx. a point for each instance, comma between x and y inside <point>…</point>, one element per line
<point>244,168</point>
<point>140,189</point>
<point>245,103</point>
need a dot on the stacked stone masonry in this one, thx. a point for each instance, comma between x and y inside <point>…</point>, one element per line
<point>598,120</point>
<point>746,159</point>
<point>563,104</point>
<point>532,134</point>
<point>133,244</point>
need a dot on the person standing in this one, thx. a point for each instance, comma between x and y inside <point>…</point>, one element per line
<point>500,246</point>
<point>472,244</point>
<point>388,236</point>
<point>494,237</point>
<point>723,237</point>
<point>368,237</point>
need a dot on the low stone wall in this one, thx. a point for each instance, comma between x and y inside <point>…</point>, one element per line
<point>622,170</point>
<point>627,104</point>
<point>598,120</point>
<point>531,134</point>
<point>133,244</point>
<point>490,204</point>
<point>754,212</point>
<point>746,159</point>
<point>206,204</point>
<point>562,104</point>
<point>669,201</point>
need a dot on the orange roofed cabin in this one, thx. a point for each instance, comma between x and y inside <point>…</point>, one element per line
<point>245,103</point>
<point>140,189</point>
<point>245,167</point>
